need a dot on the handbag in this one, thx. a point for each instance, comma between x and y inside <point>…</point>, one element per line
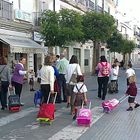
<point>73,78</point>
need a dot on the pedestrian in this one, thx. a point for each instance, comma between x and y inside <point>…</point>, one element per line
<point>56,83</point>
<point>113,79</point>
<point>117,64</point>
<point>129,72</point>
<point>132,92</point>
<point>72,69</point>
<point>5,82</point>
<point>104,69</point>
<point>80,97</point>
<point>18,77</point>
<point>57,58</point>
<point>62,66</point>
<point>31,76</point>
<point>47,78</point>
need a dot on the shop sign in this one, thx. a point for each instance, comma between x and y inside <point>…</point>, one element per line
<point>21,15</point>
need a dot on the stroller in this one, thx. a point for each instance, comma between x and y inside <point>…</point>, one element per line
<point>84,116</point>
<point>112,86</point>
<point>46,111</point>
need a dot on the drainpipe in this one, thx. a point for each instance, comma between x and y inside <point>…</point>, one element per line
<point>54,5</point>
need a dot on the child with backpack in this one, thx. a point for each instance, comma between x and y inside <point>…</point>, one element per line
<point>80,91</point>
<point>132,92</point>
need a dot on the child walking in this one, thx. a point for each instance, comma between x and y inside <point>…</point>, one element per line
<point>31,80</point>
<point>113,79</point>
<point>129,72</point>
<point>132,92</point>
<point>80,91</point>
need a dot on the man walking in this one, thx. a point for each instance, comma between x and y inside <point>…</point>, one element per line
<point>61,66</point>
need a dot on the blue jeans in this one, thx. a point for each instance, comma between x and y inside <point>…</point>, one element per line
<point>62,83</point>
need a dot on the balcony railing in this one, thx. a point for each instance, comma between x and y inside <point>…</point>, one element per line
<point>91,5</point>
<point>6,10</point>
<point>37,18</point>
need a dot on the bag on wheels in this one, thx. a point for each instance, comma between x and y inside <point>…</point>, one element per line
<point>13,102</point>
<point>47,109</point>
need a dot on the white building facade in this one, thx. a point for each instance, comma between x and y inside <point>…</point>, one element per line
<point>81,51</point>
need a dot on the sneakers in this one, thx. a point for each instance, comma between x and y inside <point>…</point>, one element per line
<point>32,89</point>
<point>136,105</point>
<point>21,104</point>
<point>129,109</point>
<point>74,117</point>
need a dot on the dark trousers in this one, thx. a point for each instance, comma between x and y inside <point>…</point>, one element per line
<point>62,84</point>
<point>18,88</point>
<point>3,93</point>
<point>102,86</point>
<point>45,89</point>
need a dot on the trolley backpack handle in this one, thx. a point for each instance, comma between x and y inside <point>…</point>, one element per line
<point>50,97</point>
<point>89,101</point>
<point>123,98</point>
<point>11,90</point>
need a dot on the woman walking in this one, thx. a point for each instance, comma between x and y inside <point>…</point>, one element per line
<point>104,69</point>
<point>5,82</point>
<point>72,69</point>
<point>47,78</point>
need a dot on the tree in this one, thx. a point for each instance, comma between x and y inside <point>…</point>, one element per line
<point>114,43</point>
<point>50,28</point>
<point>97,27</point>
<point>127,48</point>
<point>61,28</point>
<point>70,26</point>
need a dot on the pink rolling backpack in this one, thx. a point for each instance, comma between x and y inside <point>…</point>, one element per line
<point>84,116</point>
<point>109,105</point>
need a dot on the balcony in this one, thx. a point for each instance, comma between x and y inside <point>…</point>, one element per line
<point>37,18</point>
<point>90,5</point>
<point>6,10</point>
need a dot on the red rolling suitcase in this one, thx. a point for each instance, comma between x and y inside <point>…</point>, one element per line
<point>46,111</point>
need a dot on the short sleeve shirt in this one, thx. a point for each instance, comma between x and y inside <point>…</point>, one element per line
<point>82,90</point>
<point>130,72</point>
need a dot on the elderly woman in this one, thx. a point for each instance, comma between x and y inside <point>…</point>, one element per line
<point>47,78</point>
<point>5,81</point>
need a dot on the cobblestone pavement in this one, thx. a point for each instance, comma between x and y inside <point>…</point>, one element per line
<point>117,125</point>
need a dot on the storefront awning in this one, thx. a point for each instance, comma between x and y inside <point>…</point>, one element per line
<point>21,44</point>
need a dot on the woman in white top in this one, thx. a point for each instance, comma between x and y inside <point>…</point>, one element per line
<point>129,72</point>
<point>72,68</point>
<point>47,78</point>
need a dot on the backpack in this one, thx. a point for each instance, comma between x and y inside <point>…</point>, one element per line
<point>105,69</point>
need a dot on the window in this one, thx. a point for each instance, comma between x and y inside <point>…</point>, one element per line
<point>6,9</point>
